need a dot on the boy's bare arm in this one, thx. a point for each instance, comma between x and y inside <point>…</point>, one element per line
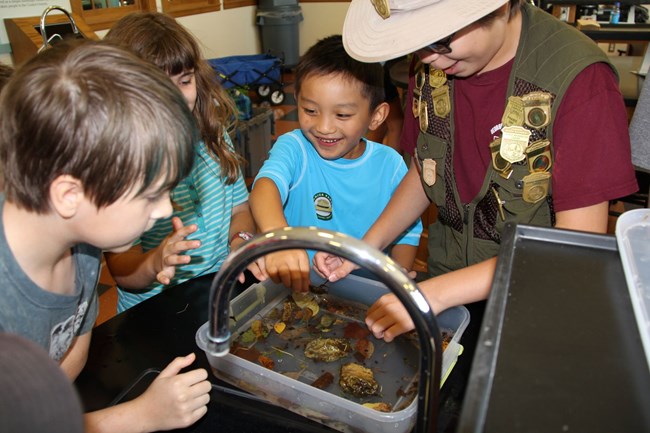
<point>387,318</point>
<point>135,269</point>
<point>404,255</point>
<point>75,359</point>
<point>405,206</point>
<point>174,400</point>
<point>587,219</point>
<point>132,268</point>
<point>289,267</point>
<point>266,205</point>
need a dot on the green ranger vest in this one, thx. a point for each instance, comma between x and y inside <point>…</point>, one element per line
<point>549,56</point>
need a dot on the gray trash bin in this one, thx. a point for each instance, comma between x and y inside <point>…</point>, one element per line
<point>278,22</point>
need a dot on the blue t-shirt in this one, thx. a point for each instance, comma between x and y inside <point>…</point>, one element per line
<point>344,195</point>
<point>205,200</point>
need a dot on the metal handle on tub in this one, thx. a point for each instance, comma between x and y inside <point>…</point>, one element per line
<point>383,267</point>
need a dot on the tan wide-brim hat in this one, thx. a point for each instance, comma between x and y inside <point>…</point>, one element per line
<point>409,24</point>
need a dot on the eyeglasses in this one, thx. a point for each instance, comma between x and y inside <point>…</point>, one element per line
<point>442,46</point>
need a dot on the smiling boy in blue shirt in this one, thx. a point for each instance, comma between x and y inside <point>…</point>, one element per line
<point>326,174</point>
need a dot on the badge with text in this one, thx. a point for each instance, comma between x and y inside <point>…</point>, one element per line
<point>536,186</point>
<point>539,156</point>
<point>429,171</point>
<point>537,109</point>
<point>437,78</point>
<point>423,115</point>
<point>514,141</point>
<point>441,101</point>
<point>514,112</point>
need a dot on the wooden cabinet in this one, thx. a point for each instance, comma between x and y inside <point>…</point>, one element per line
<point>25,34</point>
<point>101,15</point>
<point>179,8</point>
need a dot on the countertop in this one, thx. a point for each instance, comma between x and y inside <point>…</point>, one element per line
<point>127,351</point>
<point>560,349</point>
<point>619,32</point>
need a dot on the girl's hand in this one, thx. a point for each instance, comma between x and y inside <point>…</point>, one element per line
<point>258,269</point>
<point>175,400</point>
<point>171,248</point>
<point>332,267</point>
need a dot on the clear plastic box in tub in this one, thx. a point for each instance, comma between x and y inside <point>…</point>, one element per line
<point>395,365</point>
<point>633,238</point>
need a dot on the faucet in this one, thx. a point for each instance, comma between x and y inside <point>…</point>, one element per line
<point>48,42</point>
<point>382,266</point>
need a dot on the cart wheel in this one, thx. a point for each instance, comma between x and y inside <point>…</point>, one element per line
<point>264,91</point>
<point>277,97</point>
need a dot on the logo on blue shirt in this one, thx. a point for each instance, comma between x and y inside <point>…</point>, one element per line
<point>323,206</point>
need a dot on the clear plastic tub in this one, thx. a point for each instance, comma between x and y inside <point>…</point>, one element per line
<point>328,407</point>
<point>633,238</point>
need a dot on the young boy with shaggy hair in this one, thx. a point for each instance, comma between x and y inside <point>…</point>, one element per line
<point>92,139</point>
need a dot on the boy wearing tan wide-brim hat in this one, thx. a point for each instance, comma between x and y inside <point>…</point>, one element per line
<point>518,118</point>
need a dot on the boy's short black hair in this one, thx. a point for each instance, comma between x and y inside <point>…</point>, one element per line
<point>97,113</point>
<point>328,57</point>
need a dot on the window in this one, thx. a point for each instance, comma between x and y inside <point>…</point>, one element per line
<point>102,14</point>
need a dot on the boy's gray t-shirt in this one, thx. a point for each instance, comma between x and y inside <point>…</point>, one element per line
<point>49,319</point>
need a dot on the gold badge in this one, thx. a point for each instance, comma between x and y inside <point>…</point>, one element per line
<point>441,101</point>
<point>420,76</point>
<point>537,109</point>
<point>423,115</point>
<point>536,186</point>
<point>499,164</point>
<point>539,156</point>
<point>514,141</point>
<point>507,173</point>
<point>415,107</point>
<point>382,7</point>
<point>429,171</point>
<point>514,112</point>
<point>437,78</point>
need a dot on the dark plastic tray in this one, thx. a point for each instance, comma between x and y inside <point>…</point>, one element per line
<point>560,349</point>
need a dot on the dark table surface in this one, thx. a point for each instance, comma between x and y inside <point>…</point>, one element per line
<point>127,351</point>
<point>560,349</point>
